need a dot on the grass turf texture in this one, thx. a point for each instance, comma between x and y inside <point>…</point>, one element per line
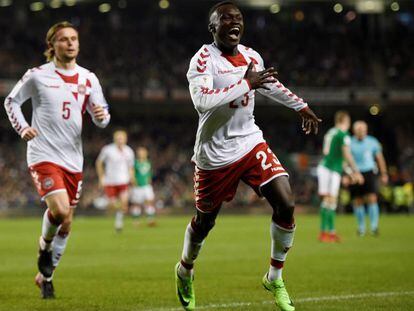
<point>102,270</point>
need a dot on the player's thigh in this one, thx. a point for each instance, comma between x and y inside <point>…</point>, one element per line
<point>263,169</point>
<point>73,184</point>
<point>335,184</point>
<point>324,175</point>
<point>123,198</point>
<point>58,203</point>
<point>149,194</point>
<point>278,192</point>
<point>136,196</point>
<point>213,187</point>
<point>370,187</point>
<point>357,193</point>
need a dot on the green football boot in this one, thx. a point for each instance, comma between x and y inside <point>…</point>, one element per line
<point>185,291</point>
<point>278,289</point>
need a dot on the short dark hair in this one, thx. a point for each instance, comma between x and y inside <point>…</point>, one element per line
<point>217,5</point>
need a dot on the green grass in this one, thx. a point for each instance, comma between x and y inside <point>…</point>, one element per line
<point>102,270</point>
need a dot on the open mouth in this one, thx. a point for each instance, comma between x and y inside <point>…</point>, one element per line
<point>234,33</point>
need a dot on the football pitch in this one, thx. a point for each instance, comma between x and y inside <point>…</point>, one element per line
<point>102,270</point>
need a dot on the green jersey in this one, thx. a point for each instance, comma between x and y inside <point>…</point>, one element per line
<point>333,142</point>
<point>143,174</point>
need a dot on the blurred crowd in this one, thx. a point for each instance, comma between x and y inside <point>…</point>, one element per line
<point>170,149</point>
<point>144,47</point>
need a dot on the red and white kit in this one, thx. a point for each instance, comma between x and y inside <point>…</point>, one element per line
<point>59,100</point>
<point>118,163</point>
<point>225,103</point>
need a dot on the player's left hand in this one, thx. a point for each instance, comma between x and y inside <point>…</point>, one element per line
<point>310,122</point>
<point>98,113</point>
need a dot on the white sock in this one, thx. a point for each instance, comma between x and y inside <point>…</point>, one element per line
<point>191,248</point>
<point>49,230</point>
<point>274,273</point>
<point>185,273</point>
<point>150,210</point>
<point>282,241</point>
<point>58,247</point>
<point>136,212</point>
<point>119,220</point>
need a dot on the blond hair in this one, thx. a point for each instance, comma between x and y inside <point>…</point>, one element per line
<point>340,116</point>
<point>50,38</point>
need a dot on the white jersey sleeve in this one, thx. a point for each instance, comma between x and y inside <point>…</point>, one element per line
<point>22,91</point>
<point>200,77</point>
<point>97,98</point>
<point>279,93</point>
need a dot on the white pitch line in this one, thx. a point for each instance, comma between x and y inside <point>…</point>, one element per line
<point>308,299</point>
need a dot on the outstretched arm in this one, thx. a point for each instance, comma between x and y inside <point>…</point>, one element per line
<point>277,92</point>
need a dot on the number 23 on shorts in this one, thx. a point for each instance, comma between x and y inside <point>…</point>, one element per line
<point>265,162</point>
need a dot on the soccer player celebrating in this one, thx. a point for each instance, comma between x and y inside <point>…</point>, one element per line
<point>115,169</point>
<point>223,77</point>
<point>143,194</point>
<point>336,149</point>
<point>367,153</point>
<point>60,91</point>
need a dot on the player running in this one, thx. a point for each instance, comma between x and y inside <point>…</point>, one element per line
<point>60,91</point>
<point>115,169</point>
<point>367,153</point>
<point>230,147</point>
<point>142,195</point>
<point>336,149</point>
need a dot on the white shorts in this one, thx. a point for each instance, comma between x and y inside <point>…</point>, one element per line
<point>329,181</point>
<point>139,195</point>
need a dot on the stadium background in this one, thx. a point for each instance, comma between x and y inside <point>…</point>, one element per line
<point>353,55</point>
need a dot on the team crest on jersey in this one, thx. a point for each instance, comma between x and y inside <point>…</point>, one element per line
<point>82,89</point>
<point>48,183</point>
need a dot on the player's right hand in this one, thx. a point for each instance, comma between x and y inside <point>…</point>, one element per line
<point>359,179</point>
<point>259,79</point>
<point>29,133</point>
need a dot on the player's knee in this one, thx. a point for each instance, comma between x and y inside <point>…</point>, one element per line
<point>66,227</point>
<point>64,213</point>
<point>371,198</point>
<point>288,212</point>
<point>358,201</point>
<point>203,226</point>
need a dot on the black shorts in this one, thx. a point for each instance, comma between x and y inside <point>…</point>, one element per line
<point>370,185</point>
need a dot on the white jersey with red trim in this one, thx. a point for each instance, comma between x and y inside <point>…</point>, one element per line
<point>225,103</point>
<point>59,100</point>
<point>117,164</point>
